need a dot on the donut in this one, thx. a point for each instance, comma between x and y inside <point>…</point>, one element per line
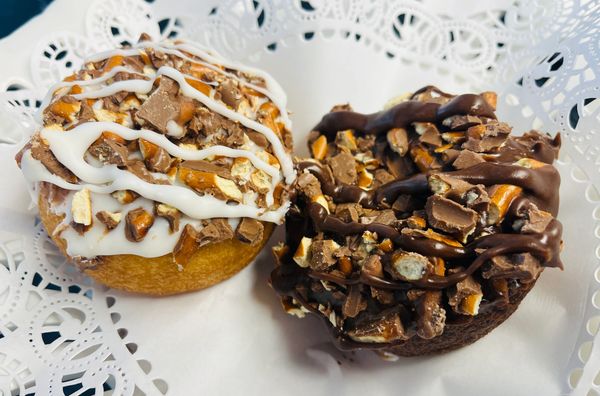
<point>420,228</point>
<point>161,167</point>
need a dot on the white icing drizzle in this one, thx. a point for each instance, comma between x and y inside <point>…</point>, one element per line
<point>70,149</point>
<point>183,198</point>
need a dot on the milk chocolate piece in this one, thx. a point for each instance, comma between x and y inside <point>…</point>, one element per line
<point>41,152</point>
<point>161,106</point>
<point>230,94</point>
<point>522,266</point>
<point>486,137</point>
<point>138,168</point>
<point>373,266</point>
<point>466,159</point>
<point>249,231</point>
<point>169,213</point>
<point>397,138</point>
<point>449,216</point>
<point>431,135</point>
<point>431,317</point>
<point>109,219</point>
<point>258,138</point>
<point>309,185</point>
<point>386,217</point>
<point>461,122</point>
<point>322,254</point>
<point>343,168</point>
<point>159,161</point>
<point>109,151</point>
<point>462,290</point>
<point>536,221</point>
<point>405,203</point>
<point>86,113</point>
<point>348,211</point>
<point>383,177</point>
<point>208,167</point>
<point>137,224</point>
<point>216,231</point>
<point>387,327</point>
<point>354,303</point>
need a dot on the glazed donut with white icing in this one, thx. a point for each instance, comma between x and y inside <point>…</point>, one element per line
<point>161,168</point>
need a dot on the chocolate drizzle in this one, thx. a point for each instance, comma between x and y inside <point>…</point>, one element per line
<point>403,114</point>
<point>537,190</point>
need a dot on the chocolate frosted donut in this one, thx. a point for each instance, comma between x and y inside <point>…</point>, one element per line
<point>161,168</point>
<point>420,228</point>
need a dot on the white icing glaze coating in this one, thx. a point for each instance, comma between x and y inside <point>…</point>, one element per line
<point>70,149</point>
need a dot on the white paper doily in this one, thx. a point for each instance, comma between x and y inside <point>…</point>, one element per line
<point>62,334</point>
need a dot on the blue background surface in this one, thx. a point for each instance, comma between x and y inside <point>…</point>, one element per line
<point>14,13</point>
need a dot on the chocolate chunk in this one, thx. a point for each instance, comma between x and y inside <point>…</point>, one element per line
<point>161,106</point>
<point>399,167</point>
<point>109,151</point>
<point>348,211</point>
<point>397,138</point>
<point>250,231</point>
<point>461,122</point>
<point>449,216</point>
<point>159,161</point>
<point>365,143</point>
<point>446,185</point>
<point>109,219</point>
<point>386,327</point>
<point>450,155</point>
<point>522,266</point>
<point>169,213</point>
<point>220,129</point>
<point>466,159</point>
<point>230,94</point>
<point>186,246</point>
<point>405,203</point>
<point>383,177</point>
<point>158,58</point>
<point>343,168</point>
<point>429,134</point>
<point>486,137</point>
<point>459,295</point>
<point>138,168</point>
<point>134,63</point>
<point>86,113</point>
<point>431,317</point>
<point>217,230</point>
<point>372,266</point>
<point>309,185</point>
<point>258,138</point>
<point>108,103</point>
<point>386,216</point>
<point>477,199</point>
<point>137,224</point>
<point>354,303</point>
<point>536,221</point>
<point>41,152</point>
<point>208,167</point>
<point>322,254</point>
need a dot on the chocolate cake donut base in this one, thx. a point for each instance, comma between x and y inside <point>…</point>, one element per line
<point>459,334</point>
